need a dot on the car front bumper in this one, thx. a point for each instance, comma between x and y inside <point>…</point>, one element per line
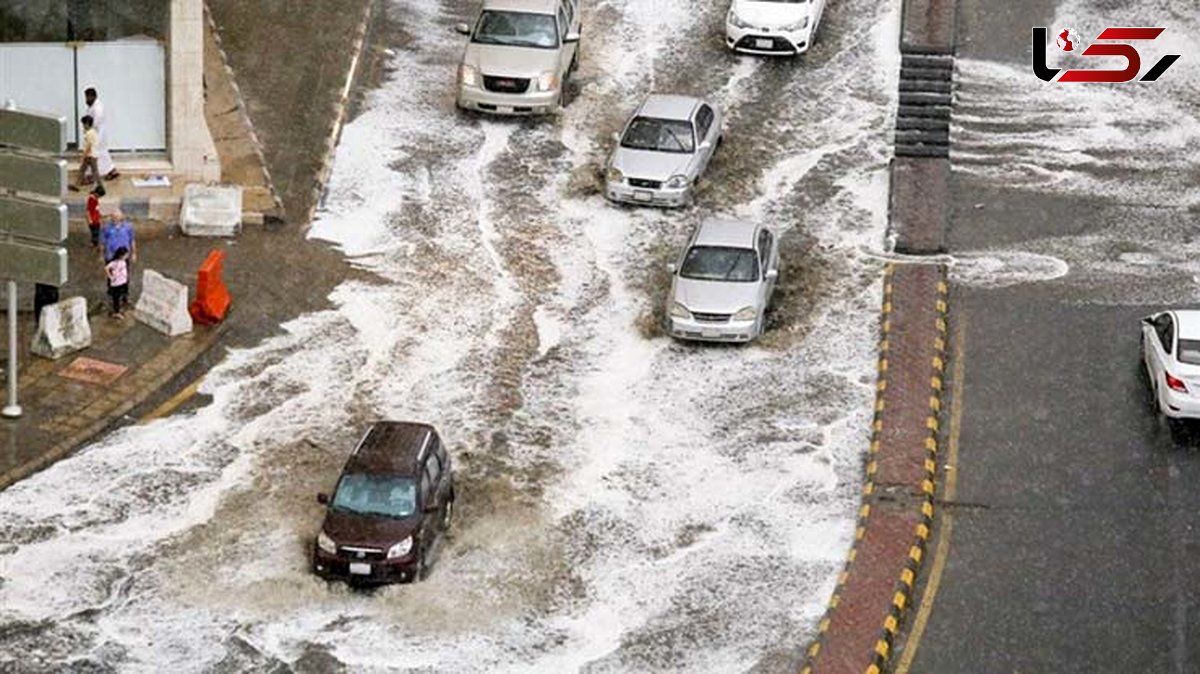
<point>382,571</point>
<point>528,103</point>
<point>729,331</point>
<point>669,197</point>
<point>1178,405</point>
<point>767,41</point>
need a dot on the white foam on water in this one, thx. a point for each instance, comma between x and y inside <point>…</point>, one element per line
<point>1134,142</point>
<point>1005,268</point>
<point>673,508</point>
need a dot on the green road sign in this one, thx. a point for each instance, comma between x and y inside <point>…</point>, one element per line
<point>32,130</point>
<point>33,263</point>
<point>36,175</point>
<point>30,219</point>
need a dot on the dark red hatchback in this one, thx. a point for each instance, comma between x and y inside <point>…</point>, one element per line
<point>390,509</point>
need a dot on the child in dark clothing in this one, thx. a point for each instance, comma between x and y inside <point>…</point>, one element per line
<point>117,272</point>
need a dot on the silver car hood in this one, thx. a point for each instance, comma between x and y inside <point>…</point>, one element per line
<point>715,297</point>
<point>501,61</point>
<point>650,165</point>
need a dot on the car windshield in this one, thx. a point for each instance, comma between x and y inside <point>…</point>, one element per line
<point>661,135</point>
<point>379,495</point>
<point>1189,351</point>
<point>517,29</point>
<point>713,263</point>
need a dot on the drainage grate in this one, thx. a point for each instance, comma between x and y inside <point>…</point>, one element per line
<point>926,92</point>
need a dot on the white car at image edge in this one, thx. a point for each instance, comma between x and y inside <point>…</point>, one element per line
<point>1171,355</point>
<point>773,27</point>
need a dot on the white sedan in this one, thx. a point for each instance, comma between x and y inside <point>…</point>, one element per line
<point>784,27</point>
<point>1171,354</point>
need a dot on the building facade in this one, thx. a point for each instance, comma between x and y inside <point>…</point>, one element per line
<point>144,57</point>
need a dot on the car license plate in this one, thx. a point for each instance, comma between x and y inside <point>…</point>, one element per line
<point>642,195</point>
<point>710,334</point>
<point>506,109</point>
<point>762,43</point>
<point>360,569</point>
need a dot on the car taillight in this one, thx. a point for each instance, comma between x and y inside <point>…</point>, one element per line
<point>1175,384</point>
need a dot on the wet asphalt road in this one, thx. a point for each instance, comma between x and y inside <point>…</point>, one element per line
<point>1076,523</point>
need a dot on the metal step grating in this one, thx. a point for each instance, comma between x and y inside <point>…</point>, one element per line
<point>926,98</point>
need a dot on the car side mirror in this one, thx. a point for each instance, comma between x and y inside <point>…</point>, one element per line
<point>671,267</point>
<point>570,38</point>
<point>323,499</point>
<point>704,145</point>
<point>430,509</point>
<point>462,28</point>
<point>616,137</point>
<point>772,274</point>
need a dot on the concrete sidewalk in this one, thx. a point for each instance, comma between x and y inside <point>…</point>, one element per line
<point>129,369</point>
<point>70,400</point>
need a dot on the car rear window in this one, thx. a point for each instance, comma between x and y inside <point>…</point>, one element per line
<point>1189,351</point>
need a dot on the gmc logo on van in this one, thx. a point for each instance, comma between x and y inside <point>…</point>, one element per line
<point>1133,61</point>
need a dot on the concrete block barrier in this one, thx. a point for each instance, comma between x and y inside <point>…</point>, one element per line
<point>163,304</point>
<point>62,329</point>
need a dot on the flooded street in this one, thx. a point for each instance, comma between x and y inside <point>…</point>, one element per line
<point>627,503</point>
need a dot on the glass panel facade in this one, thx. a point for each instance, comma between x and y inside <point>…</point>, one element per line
<point>83,20</point>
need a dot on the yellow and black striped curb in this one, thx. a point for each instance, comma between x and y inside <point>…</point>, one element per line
<point>864,511</point>
<point>903,595</point>
<point>903,590</point>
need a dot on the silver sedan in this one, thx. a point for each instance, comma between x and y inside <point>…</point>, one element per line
<point>663,150</point>
<point>722,284</point>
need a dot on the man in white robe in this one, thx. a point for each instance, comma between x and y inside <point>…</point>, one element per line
<point>95,110</point>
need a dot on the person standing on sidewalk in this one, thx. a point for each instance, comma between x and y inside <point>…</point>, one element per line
<point>95,110</point>
<point>93,215</point>
<point>88,153</point>
<point>117,272</point>
<point>118,233</point>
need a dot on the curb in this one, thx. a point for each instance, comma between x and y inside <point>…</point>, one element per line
<point>895,519</point>
<point>858,632</point>
<point>903,595</point>
<point>244,112</point>
<point>160,374</point>
<point>342,106</point>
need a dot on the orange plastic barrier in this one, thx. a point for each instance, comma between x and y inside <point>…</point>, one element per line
<point>212,298</point>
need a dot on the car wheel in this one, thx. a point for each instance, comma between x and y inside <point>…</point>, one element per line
<point>1144,376</point>
<point>448,514</point>
<point>564,95</point>
<point>421,572</point>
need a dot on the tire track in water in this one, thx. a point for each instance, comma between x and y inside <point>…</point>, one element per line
<point>223,579</point>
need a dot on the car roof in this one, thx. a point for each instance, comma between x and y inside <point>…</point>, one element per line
<point>725,232</point>
<point>392,447</point>
<point>668,106</point>
<point>1189,323</point>
<point>534,6</point>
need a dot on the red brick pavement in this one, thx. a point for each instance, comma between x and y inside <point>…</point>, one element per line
<point>857,634</point>
<point>911,347</point>
<point>856,624</point>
